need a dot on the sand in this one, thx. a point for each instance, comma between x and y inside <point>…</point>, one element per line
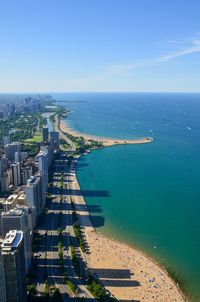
<point>127,273</point>
<point>65,127</point>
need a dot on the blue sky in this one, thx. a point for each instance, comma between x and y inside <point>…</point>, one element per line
<point>99,45</point>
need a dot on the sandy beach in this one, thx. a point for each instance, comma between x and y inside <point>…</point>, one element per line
<point>65,127</point>
<point>127,273</point>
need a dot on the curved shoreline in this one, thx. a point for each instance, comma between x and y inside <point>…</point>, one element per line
<point>65,127</point>
<point>128,273</point>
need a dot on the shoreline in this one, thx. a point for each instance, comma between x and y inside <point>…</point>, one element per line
<point>127,272</point>
<point>107,141</point>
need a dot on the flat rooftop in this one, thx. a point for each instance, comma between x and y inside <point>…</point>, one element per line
<point>11,240</point>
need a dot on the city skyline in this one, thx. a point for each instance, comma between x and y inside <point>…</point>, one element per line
<point>99,46</point>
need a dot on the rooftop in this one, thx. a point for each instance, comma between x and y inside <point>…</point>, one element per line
<point>11,241</point>
<point>14,212</point>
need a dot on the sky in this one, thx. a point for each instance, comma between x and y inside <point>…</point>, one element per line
<point>99,46</point>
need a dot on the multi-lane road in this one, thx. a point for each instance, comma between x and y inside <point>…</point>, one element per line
<point>60,187</point>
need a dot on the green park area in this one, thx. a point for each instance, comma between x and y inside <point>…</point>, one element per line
<point>37,138</point>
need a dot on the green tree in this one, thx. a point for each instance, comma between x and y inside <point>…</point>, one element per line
<point>32,291</point>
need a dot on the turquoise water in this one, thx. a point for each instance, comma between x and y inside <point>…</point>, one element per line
<point>146,195</point>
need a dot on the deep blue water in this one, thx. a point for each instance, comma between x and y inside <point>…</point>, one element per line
<point>147,195</point>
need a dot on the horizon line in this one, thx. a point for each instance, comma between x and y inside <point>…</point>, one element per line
<point>54,92</point>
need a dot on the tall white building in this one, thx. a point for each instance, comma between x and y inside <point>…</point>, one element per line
<point>16,177</point>
<point>36,193</point>
<point>49,148</point>
<point>18,157</point>
<point>43,165</point>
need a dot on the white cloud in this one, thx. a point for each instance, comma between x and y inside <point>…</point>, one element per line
<point>183,52</point>
<point>123,69</point>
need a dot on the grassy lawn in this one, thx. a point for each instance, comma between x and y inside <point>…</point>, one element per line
<point>37,138</point>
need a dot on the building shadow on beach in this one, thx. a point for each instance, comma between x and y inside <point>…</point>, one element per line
<point>115,277</point>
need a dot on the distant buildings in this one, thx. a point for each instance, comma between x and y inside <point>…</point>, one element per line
<point>6,110</point>
<point>14,266</point>
<point>31,105</point>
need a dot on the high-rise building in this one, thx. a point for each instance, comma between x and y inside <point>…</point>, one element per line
<point>14,266</point>
<point>3,164</point>
<point>10,150</point>
<point>35,192</point>
<point>27,173</point>
<point>5,182</point>
<point>16,177</point>
<point>35,106</point>
<point>18,157</point>
<point>49,148</point>
<point>45,134</point>
<point>1,167</point>
<point>6,140</point>
<point>24,156</point>
<point>54,137</point>
<point>43,165</point>
<point>18,219</point>
<point>10,202</point>
<point>2,277</point>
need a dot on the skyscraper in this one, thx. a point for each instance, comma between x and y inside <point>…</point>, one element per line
<point>14,266</point>
<point>18,219</point>
<point>54,136</point>
<point>10,150</point>
<point>49,148</point>
<point>45,134</point>
<point>43,165</point>
<point>6,140</point>
<point>2,278</point>
<point>16,177</point>
<point>35,192</point>
<point>18,157</point>
<point>27,173</point>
